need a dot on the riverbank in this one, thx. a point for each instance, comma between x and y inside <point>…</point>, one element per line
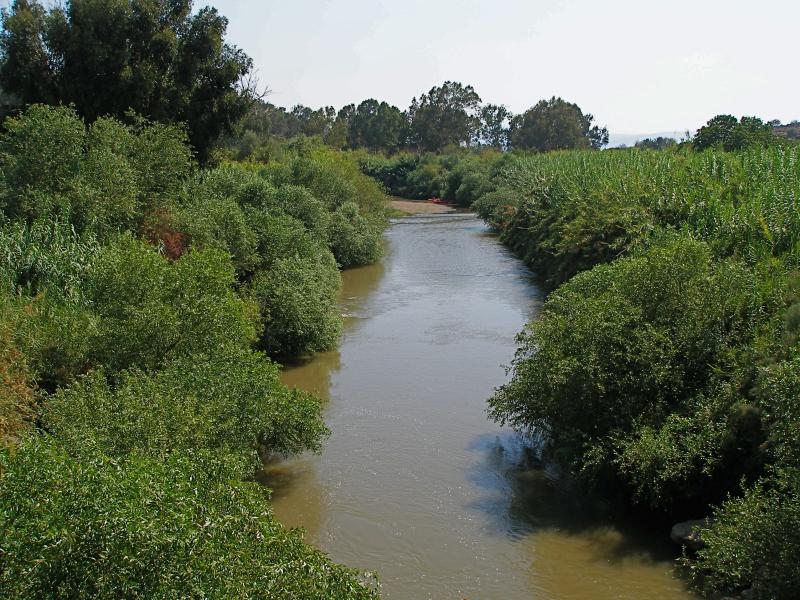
<point>418,207</point>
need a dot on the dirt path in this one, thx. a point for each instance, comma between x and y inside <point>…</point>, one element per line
<point>419,207</point>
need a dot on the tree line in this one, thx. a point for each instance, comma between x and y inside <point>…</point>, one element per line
<point>451,115</point>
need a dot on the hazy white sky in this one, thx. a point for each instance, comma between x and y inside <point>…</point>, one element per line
<point>637,65</point>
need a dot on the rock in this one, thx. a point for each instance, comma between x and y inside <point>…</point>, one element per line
<point>688,533</point>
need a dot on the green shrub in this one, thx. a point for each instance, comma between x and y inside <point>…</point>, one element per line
<point>298,301</point>
<point>281,236</point>
<point>322,181</point>
<point>301,204</point>
<point>755,541</point>
<point>496,208</point>
<point>230,403</point>
<point>17,401</point>
<point>152,310</point>
<point>46,257</point>
<point>755,538</point>
<point>103,180</point>
<point>620,348</point>
<point>353,240</point>
<point>40,157</point>
<point>136,527</point>
<point>212,222</point>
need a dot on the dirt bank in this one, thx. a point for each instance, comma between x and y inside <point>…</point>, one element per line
<point>419,207</point>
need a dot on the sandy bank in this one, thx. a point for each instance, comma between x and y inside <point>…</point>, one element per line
<point>419,207</point>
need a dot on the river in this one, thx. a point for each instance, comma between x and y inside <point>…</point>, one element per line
<point>415,482</point>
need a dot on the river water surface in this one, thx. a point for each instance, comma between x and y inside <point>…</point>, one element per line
<point>415,482</point>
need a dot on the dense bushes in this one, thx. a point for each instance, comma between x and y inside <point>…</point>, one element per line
<point>755,538</point>
<point>17,407</point>
<point>152,311</point>
<point>137,295</point>
<point>230,403</point>
<point>133,526</point>
<point>103,179</point>
<point>460,177</point>
<point>297,292</point>
<point>623,363</point>
<point>664,363</point>
<point>566,212</point>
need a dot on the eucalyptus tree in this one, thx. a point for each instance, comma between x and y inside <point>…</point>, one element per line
<point>556,124</point>
<point>376,126</point>
<point>446,116</point>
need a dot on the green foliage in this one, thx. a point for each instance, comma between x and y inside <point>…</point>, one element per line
<point>152,310</point>
<point>619,349</point>
<point>658,143</point>
<point>723,131</point>
<point>458,177</point>
<point>393,173</point>
<point>136,355</point>
<point>569,211</point>
<point>445,116</point>
<point>556,124</point>
<point>214,222</point>
<point>45,257</point>
<point>143,528</point>
<point>17,406</point>
<point>102,180</point>
<point>352,239</point>
<point>230,403</point>
<point>494,126</point>
<point>664,362</point>
<point>754,539</point>
<point>297,291</point>
<point>495,208</point>
<point>298,202</point>
<point>376,126</point>
<point>157,58</point>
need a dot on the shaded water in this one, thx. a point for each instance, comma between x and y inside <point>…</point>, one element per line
<point>415,482</point>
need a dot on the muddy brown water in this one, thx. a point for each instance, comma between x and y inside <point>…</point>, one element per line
<point>415,482</point>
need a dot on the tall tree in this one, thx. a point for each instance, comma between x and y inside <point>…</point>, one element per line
<point>494,126</point>
<point>726,132</point>
<point>109,57</point>
<point>556,124</point>
<point>446,115</point>
<point>314,122</point>
<point>376,126</point>
<point>338,134</point>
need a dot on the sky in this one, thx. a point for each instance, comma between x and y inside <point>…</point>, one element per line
<point>638,66</point>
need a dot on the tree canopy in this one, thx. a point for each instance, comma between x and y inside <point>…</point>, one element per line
<point>376,126</point>
<point>110,57</point>
<point>448,116</point>
<point>445,116</point>
<point>725,132</point>
<point>556,124</point>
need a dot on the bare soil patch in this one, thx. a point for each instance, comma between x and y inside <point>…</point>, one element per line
<point>419,207</point>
